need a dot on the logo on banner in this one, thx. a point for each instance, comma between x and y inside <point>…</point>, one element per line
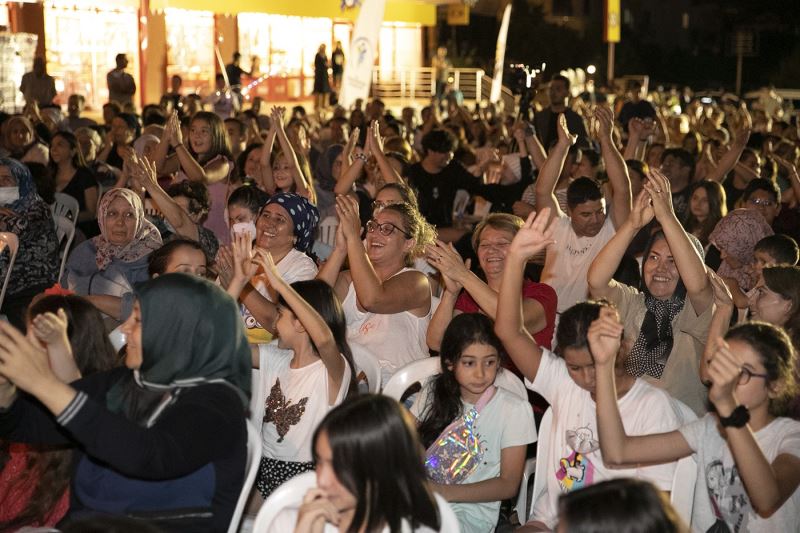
<point>350,4</point>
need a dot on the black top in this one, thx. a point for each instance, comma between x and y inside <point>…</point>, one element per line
<point>205,425</point>
<point>437,192</point>
<point>640,109</point>
<point>337,61</point>
<point>546,121</point>
<point>234,73</point>
<point>82,179</point>
<point>732,194</point>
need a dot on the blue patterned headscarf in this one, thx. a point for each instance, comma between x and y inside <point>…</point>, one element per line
<point>305,217</point>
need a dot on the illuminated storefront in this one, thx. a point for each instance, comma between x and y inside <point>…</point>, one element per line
<point>195,64</point>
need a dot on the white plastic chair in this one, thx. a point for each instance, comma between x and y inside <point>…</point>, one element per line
<point>418,371</point>
<point>66,206</point>
<point>8,240</point>
<point>366,363</point>
<point>290,496</point>
<point>253,461</point>
<point>65,229</point>
<point>327,230</point>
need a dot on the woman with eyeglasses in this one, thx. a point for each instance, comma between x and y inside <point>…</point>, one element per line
<point>387,303</point>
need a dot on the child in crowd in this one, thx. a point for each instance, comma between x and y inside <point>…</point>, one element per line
<point>571,451</point>
<point>307,372</point>
<point>463,402</point>
<point>244,205</point>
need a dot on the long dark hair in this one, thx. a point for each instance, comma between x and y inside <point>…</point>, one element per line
<point>717,209</point>
<point>378,459</point>
<point>785,281</point>
<point>321,297</point>
<point>680,289</point>
<point>219,138</point>
<point>573,328</point>
<point>72,141</point>
<point>445,403</point>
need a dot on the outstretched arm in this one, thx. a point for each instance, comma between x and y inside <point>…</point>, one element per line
<point>605,335</point>
<point>740,137</point>
<point>551,170</point>
<point>533,237</point>
<point>303,188</point>
<point>617,171</point>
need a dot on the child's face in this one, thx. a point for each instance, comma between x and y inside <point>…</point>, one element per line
<point>475,370</point>
<point>580,366</point>
<point>332,489</point>
<point>768,305</point>
<point>761,260</point>
<point>755,393</point>
<point>285,327</point>
<point>239,213</point>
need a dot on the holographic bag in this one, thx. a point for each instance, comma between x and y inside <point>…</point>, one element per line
<point>457,452</point>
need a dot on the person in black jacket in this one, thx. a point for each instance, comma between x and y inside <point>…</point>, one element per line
<point>163,439</point>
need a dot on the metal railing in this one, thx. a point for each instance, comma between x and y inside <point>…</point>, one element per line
<point>420,84</point>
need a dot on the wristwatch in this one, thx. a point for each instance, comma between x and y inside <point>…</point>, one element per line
<point>738,418</point>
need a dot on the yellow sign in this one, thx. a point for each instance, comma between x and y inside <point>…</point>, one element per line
<point>457,15</point>
<point>613,21</point>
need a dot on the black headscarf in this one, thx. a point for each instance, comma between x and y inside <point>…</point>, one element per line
<point>192,334</point>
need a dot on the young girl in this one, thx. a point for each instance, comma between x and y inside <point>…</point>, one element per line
<point>500,423</point>
<point>283,173</point>
<point>571,454</point>
<point>308,372</point>
<point>244,205</point>
<point>748,459</point>
<point>357,495</point>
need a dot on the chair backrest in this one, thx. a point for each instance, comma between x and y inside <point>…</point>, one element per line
<point>683,485</point>
<point>327,230</point>
<point>366,363</point>
<point>256,398</point>
<point>65,229</point>
<point>253,461</point>
<point>418,371</point>
<point>8,240</point>
<point>539,482</point>
<point>66,206</point>
<point>289,494</point>
<point>414,372</point>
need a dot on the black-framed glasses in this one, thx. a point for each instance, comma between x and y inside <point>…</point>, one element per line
<point>747,374</point>
<point>385,229</point>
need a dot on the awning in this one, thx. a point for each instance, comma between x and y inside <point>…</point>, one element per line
<point>409,11</point>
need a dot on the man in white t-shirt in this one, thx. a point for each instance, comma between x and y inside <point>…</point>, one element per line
<point>585,228</point>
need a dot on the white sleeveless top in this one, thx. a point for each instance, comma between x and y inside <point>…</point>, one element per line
<point>393,339</point>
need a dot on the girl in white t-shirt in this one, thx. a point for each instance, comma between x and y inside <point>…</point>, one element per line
<point>308,372</point>
<point>462,405</point>
<point>748,459</point>
<point>570,453</point>
<point>370,475</point>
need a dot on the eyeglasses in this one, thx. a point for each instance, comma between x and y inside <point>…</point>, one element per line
<point>385,229</point>
<point>766,202</point>
<point>747,374</point>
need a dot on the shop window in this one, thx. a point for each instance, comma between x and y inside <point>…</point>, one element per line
<point>81,43</point>
<point>190,48</point>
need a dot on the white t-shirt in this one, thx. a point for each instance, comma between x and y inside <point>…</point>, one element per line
<point>719,492</point>
<point>504,422</point>
<point>572,449</point>
<point>393,339</point>
<point>569,258</point>
<point>296,400</point>
<point>295,266</point>
<point>286,520</point>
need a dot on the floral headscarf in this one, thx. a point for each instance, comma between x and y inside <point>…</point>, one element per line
<point>305,217</point>
<point>737,235</point>
<point>146,237</point>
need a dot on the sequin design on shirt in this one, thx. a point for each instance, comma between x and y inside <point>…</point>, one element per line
<point>280,412</point>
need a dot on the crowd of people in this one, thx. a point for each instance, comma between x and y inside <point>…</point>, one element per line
<point>633,262</point>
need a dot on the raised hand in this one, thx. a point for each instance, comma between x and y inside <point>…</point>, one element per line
<point>722,294</point>
<point>534,236</point>
<point>349,222</point>
<point>174,128</point>
<point>315,511</point>
<point>51,328</point>
<point>605,122</point>
<point>564,136</point>
<point>658,187</point>
<point>264,259</point>
<point>741,134</point>
<point>642,212</point>
<point>605,337</point>
<point>374,138</point>
<point>724,371</point>
<point>22,362</point>
<point>447,261</point>
<point>244,267</point>
<point>277,113</point>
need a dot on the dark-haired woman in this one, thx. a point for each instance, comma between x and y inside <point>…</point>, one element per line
<point>207,159</point>
<point>119,141</point>
<point>163,438</point>
<point>707,206</point>
<point>356,495</point>
<point>668,317</point>
<point>75,179</point>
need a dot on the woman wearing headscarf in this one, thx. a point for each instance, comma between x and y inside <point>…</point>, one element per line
<point>163,438</point>
<point>736,236</point>
<point>285,227</point>
<point>106,268</point>
<point>668,317</point>
<point>24,213</point>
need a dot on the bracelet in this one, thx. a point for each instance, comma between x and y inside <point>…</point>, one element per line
<point>362,157</point>
<point>177,146</point>
<point>738,418</point>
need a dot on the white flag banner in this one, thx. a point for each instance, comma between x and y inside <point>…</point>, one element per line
<point>357,75</point>
<point>499,56</point>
